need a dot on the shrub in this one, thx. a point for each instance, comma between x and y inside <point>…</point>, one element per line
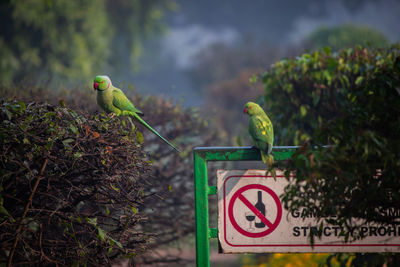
<point>349,100</point>
<point>170,205</point>
<point>71,187</point>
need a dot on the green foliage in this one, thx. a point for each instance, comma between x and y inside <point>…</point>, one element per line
<point>302,94</point>
<point>61,38</point>
<point>349,100</point>
<point>74,39</point>
<point>73,183</point>
<point>346,36</point>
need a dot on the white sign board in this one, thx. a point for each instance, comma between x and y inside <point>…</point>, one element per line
<point>252,219</point>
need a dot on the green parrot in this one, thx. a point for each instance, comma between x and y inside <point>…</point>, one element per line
<point>113,100</point>
<point>261,131</point>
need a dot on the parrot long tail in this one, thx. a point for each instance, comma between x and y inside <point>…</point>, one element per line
<point>139,119</point>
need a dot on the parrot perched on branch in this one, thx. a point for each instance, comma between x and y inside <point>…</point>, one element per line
<point>261,131</point>
<point>113,100</point>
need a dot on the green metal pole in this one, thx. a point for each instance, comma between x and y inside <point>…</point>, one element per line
<point>201,210</point>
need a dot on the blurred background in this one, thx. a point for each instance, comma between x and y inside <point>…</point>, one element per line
<point>179,49</point>
<point>201,56</point>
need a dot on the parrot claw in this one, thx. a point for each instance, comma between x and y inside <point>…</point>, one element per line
<point>112,115</point>
<point>270,160</point>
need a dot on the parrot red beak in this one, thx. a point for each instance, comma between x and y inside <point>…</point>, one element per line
<point>245,110</point>
<point>96,86</point>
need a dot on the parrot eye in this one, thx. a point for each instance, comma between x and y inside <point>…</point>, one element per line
<point>250,107</point>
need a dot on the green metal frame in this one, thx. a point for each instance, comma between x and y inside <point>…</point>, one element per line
<point>202,190</point>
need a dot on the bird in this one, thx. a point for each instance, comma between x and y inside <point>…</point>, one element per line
<point>113,101</point>
<point>261,131</point>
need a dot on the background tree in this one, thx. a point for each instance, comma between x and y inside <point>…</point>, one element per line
<point>57,38</point>
<point>74,39</point>
<point>345,36</point>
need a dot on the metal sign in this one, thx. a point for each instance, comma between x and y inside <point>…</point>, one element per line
<point>253,220</point>
<point>254,211</point>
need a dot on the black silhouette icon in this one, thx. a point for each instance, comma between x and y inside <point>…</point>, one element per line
<point>261,207</point>
<point>250,217</point>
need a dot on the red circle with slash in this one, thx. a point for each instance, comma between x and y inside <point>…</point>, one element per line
<point>271,225</point>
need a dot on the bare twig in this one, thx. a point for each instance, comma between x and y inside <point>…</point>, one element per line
<point>41,248</point>
<point>9,262</point>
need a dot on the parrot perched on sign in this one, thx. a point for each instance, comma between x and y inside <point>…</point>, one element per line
<point>113,100</point>
<point>261,131</point>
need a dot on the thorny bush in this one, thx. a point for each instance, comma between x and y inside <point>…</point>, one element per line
<point>71,187</point>
<point>170,208</point>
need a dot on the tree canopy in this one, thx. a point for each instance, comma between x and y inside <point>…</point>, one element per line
<point>74,39</point>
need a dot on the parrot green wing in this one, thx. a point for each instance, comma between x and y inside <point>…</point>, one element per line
<point>126,107</point>
<point>121,102</point>
<point>261,132</point>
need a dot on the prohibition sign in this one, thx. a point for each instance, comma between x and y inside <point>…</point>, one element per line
<point>271,226</point>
